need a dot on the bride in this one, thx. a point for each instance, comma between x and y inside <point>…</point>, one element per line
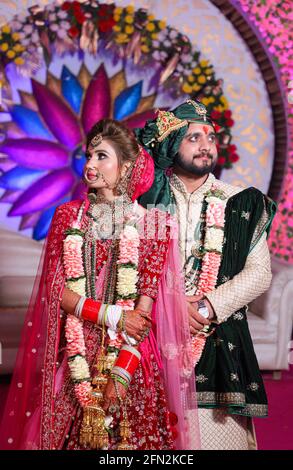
<point>103,361</point>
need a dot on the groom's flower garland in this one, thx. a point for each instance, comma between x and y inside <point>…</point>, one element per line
<point>213,242</point>
<point>75,280</point>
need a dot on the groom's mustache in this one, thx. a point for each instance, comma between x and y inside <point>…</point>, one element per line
<point>203,154</point>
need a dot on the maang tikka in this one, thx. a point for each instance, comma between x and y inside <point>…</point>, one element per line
<point>97,140</point>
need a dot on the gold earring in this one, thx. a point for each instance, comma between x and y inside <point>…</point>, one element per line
<point>122,185</point>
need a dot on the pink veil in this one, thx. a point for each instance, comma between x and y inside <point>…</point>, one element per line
<point>40,352</point>
<point>24,395</point>
<point>174,342</point>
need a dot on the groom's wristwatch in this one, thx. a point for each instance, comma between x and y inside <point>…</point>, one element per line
<point>203,309</point>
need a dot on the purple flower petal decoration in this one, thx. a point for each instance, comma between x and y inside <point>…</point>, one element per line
<point>154,82</point>
<point>29,121</point>
<point>97,100</point>
<point>19,178</point>
<point>42,226</point>
<point>14,132</point>
<point>78,161</point>
<point>38,154</point>
<point>58,116</point>
<point>10,196</point>
<point>127,102</point>
<point>29,220</point>
<point>139,120</point>
<point>71,89</point>
<point>6,164</point>
<point>44,192</point>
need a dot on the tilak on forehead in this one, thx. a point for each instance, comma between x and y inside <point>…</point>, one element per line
<point>206,129</point>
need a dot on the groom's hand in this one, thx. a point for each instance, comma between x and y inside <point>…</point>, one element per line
<point>196,320</point>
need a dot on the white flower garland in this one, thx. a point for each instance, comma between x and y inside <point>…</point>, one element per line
<point>76,281</point>
<point>211,262</point>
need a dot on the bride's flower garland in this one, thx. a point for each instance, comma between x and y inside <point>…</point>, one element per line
<point>216,201</point>
<point>126,290</point>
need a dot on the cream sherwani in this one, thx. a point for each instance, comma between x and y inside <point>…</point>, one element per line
<point>218,429</point>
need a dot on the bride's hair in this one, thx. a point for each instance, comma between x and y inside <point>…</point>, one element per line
<point>122,139</point>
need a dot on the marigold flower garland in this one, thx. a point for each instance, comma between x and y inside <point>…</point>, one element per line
<point>212,255</point>
<point>75,280</point>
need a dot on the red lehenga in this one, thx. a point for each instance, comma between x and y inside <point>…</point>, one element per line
<point>42,412</point>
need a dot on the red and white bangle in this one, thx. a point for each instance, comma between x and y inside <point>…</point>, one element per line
<point>128,359</point>
<point>125,365</point>
<point>90,310</point>
<point>96,312</point>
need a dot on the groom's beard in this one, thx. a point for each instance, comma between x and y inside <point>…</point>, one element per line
<point>196,166</point>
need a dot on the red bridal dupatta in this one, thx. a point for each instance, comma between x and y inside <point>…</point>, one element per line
<point>35,417</point>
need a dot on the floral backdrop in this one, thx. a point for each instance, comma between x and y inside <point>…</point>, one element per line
<point>42,140</point>
<point>62,110</point>
<point>273,20</point>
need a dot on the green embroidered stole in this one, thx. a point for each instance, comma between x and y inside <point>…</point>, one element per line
<point>244,210</point>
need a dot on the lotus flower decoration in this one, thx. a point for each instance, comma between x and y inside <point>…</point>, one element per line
<point>42,156</point>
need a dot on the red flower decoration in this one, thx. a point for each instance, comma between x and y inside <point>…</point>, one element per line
<point>66,6</point>
<point>232,148</point>
<point>79,16</point>
<point>215,115</point>
<point>227,114</point>
<point>107,25</point>
<point>105,18</point>
<point>76,5</point>
<point>105,9</point>
<point>230,122</point>
<point>216,127</point>
<point>221,161</point>
<point>73,31</point>
<point>234,157</point>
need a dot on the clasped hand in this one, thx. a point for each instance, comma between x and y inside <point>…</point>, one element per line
<point>196,321</point>
<point>137,324</point>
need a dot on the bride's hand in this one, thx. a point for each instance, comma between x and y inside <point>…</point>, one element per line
<point>110,395</point>
<point>137,324</point>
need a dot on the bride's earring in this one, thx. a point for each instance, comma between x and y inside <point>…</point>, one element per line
<point>122,185</point>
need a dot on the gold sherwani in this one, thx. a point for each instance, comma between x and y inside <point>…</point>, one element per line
<point>218,429</point>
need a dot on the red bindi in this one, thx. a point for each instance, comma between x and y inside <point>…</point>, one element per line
<point>205,129</point>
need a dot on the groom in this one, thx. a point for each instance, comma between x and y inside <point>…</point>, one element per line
<point>226,262</point>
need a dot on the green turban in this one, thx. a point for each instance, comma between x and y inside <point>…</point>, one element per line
<point>161,137</point>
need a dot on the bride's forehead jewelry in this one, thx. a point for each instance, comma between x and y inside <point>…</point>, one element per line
<point>97,140</point>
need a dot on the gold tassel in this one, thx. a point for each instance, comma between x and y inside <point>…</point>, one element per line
<point>86,429</point>
<point>125,434</point>
<point>124,428</point>
<point>93,432</point>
